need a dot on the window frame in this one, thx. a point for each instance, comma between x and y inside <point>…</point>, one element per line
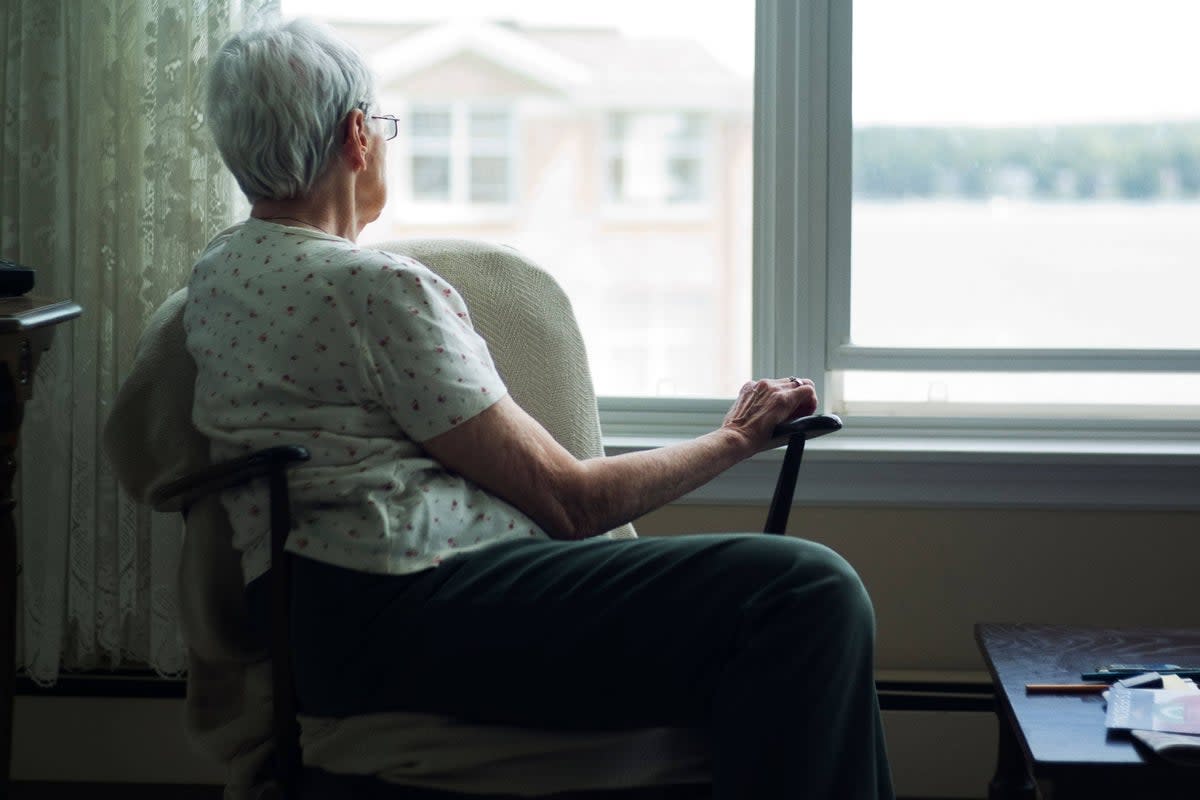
<point>802,199</point>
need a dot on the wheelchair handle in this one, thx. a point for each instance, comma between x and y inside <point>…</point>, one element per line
<point>811,427</point>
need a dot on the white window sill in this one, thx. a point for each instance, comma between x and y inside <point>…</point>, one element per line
<point>963,471</point>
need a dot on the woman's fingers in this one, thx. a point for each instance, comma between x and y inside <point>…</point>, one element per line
<point>806,401</point>
<point>763,404</point>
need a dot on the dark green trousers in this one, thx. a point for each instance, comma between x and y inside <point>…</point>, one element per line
<point>766,642</point>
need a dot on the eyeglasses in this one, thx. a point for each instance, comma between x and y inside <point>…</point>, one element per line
<point>392,128</point>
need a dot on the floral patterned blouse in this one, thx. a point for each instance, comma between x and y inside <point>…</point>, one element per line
<point>360,355</point>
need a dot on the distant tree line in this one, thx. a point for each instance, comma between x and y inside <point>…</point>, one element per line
<point>1081,162</point>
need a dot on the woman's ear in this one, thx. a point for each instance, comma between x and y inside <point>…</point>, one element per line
<point>356,140</point>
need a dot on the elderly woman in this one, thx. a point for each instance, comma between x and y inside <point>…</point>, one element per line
<point>446,552</point>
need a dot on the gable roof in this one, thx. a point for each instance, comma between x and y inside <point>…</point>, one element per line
<point>595,67</point>
<point>499,44</point>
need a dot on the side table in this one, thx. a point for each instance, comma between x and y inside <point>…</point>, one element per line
<point>1059,742</point>
<point>26,328</point>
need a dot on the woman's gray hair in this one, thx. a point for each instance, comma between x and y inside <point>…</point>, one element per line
<point>277,93</point>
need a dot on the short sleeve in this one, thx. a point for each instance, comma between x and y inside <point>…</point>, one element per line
<point>431,368</point>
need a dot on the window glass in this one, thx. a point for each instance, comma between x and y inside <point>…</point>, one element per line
<point>431,177</point>
<point>1025,175</point>
<point>429,143</point>
<point>656,158</point>
<point>490,128</point>
<point>685,177</point>
<point>491,155</point>
<point>489,179</point>
<point>611,143</point>
<point>1050,200</point>
<point>430,126</point>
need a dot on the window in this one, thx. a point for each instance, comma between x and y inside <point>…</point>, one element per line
<point>999,307</point>
<point>656,158</point>
<point>1021,230</point>
<point>994,453</point>
<point>460,154</point>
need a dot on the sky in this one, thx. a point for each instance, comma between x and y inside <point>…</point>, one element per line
<point>1020,62</point>
<point>922,62</point>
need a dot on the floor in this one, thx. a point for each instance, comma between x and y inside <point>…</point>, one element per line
<point>134,791</point>
<point>116,791</point>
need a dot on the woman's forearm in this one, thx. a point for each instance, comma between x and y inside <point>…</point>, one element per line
<point>614,490</point>
<point>509,454</point>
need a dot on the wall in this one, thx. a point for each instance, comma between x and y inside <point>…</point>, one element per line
<point>934,573</point>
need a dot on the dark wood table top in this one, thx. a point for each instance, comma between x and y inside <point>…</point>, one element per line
<point>1069,729</point>
<point>34,311</point>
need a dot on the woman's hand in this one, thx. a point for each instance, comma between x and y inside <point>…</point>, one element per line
<point>763,404</point>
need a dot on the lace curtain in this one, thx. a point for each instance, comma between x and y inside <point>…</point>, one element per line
<point>109,187</point>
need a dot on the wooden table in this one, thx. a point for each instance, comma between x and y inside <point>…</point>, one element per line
<point>26,328</point>
<point>1059,741</point>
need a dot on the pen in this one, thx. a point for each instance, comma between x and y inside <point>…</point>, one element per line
<point>1065,688</point>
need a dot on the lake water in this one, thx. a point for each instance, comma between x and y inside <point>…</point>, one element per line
<point>1017,274</point>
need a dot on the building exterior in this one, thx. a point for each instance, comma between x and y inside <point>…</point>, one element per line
<point>621,165</point>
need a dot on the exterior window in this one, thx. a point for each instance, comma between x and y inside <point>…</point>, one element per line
<point>460,155</point>
<point>657,158</point>
<point>950,232</point>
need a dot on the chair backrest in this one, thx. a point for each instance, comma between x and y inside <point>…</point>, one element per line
<point>530,327</point>
<point>270,465</point>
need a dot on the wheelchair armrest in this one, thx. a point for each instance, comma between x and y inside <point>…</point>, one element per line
<point>811,427</point>
<point>179,494</point>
